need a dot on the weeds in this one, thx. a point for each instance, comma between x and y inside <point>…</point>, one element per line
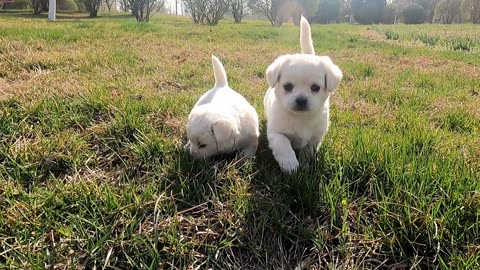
<point>392,35</point>
<point>427,39</point>
<point>464,44</point>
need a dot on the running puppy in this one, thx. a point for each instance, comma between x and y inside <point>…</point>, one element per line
<point>222,121</point>
<point>297,102</point>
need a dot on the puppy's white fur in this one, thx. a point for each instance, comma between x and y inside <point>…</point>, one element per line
<point>222,121</point>
<point>298,118</point>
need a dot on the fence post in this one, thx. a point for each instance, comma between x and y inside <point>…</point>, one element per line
<point>52,10</point>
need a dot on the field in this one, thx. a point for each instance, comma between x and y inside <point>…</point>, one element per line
<point>93,173</point>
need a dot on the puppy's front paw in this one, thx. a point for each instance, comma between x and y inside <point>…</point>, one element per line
<point>288,165</point>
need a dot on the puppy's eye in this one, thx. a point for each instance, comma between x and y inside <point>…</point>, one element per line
<point>288,87</point>
<point>201,145</point>
<point>315,88</point>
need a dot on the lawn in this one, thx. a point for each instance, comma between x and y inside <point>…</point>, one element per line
<point>93,173</point>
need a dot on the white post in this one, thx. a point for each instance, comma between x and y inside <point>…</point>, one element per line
<point>52,9</point>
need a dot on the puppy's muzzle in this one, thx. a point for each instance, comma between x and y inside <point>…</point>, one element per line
<point>301,104</point>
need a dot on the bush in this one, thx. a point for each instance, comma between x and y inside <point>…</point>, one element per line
<point>392,35</point>
<point>413,14</point>
<point>428,40</point>
<point>460,44</point>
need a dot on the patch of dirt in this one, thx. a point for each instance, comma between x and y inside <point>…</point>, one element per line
<point>373,35</point>
<point>172,126</point>
<point>444,104</point>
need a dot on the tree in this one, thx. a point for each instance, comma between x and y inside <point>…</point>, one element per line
<point>44,4</point>
<point>269,9</point>
<point>291,10</point>
<point>124,5</point>
<point>238,8</point>
<point>472,9</point>
<point>67,5</point>
<point>215,11</point>
<point>429,7</point>
<point>206,11</point>
<point>37,6</point>
<point>368,11</point>
<point>309,8</point>
<point>92,7</point>
<point>196,10</point>
<point>389,14</point>
<point>109,4</point>
<point>413,14</point>
<point>345,13</point>
<point>448,11</point>
<point>328,11</point>
<point>398,7</point>
<point>143,10</point>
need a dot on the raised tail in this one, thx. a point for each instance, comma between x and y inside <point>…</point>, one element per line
<point>306,42</point>
<point>219,72</point>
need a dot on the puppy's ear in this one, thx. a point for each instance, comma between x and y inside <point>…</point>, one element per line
<point>225,133</point>
<point>273,71</point>
<point>333,75</point>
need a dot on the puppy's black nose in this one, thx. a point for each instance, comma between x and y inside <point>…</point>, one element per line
<point>301,102</point>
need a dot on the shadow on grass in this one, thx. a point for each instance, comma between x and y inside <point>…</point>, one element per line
<point>261,218</point>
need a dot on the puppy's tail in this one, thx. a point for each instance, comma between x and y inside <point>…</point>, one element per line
<point>219,72</point>
<point>306,42</point>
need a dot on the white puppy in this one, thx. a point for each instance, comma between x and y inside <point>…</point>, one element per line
<point>297,102</point>
<point>222,121</point>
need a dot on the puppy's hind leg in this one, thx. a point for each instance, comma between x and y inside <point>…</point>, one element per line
<point>283,152</point>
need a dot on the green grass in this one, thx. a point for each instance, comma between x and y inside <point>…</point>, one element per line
<point>93,172</point>
<point>459,37</point>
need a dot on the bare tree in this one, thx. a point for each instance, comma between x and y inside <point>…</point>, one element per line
<point>269,9</point>
<point>109,4</point>
<point>206,11</point>
<point>215,11</point>
<point>124,5</point>
<point>279,11</point>
<point>472,7</point>
<point>448,11</point>
<point>196,10</point>
<point>239,9</point>
<point>143,10</point>
<point>92,6</point>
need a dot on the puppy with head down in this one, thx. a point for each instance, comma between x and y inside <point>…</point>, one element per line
<point>297,102</point>
<point>222,121</point>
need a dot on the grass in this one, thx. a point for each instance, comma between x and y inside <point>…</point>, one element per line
<point>460,37</point>
<point>93,172</point>
<point>392,35</point>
